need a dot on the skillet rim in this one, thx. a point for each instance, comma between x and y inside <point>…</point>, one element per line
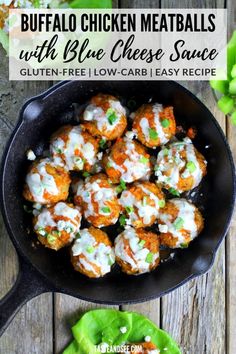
<point>23,255</point>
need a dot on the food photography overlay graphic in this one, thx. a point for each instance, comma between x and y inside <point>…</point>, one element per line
<point>150,44</point>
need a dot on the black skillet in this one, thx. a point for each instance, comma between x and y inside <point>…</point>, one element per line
<point>42,270</point>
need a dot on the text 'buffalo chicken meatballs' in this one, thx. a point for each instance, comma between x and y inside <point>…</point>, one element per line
<point>137,251</point>
<point>46,182</point>
<point>105,117</point>
<point>154,125</point>
<point>127,161</point>
<point>98,200</point>
<point>180,166</point>
<point>76,148</point>
<point>56,226</point>
<point>141,203</point>
<point>92,253</point>
<point>179,223</point>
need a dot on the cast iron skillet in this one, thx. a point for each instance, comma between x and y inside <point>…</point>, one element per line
<point>42,270</point>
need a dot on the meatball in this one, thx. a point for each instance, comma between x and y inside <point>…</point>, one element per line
<point>56,226</point>
<point>46,182</point>
<point>75,147</point>
<point>180,167</point>
<point>98,200</point>
<point>92,253</point>
<point>137,251</point>
<point>143,348</point>
<point>105,117</point>
<point>154,125</point>
<point>141,203</point>
<point>179,223</point>
<point>127,161</point>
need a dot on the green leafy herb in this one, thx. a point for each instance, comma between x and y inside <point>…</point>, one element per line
<point>191,166</point>
<point>122,220</point>
<point>165,123</point>
<point>129,209</point>
<point>103,144</point>
<point>161,203</point>
<point>174,192</point>
<point>106,210</point>
<point>86,174</point>
<point>141,243</point>
<point>153,134</point>
<point>105,328</point>
<point>143,160</point>
<point>90,249</point>
<point>184,245</point>
<point>149,258</point>
<point>179,223</point>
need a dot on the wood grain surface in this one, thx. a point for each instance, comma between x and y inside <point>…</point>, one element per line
<point>201,315</point>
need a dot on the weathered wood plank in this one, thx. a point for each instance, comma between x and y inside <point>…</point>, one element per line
<point>31,330</point>
<point>195,313</point>
<point>231,242</point>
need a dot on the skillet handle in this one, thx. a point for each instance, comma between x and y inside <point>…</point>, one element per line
<point>29,283</point>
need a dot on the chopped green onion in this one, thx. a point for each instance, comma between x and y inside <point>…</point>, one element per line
<point>153,134</point>
<point>143,160</point>
<point>122,220</point>
<point>174,192</point>
<point>165,152</point>
<point>77,235</point>
<point>103,143</point>
<point>121,187</point>
<point>109,164</point>
<point>149,258</point>
<point>111,116</point>
<point>86,174</point>
<point>184,245</point>
<point>111,261</point>
<point>178,224</point>
<point>226,104</point>
<point>141,243</point>
<point>161,203</point>
<point>90,249</point>
<point>144,201</point>
<point>106,210</point>
<point>51,238</point>
<point>165,123</point>
<point>110,111</point>
<point>129,209</point>
<point>191,166</point>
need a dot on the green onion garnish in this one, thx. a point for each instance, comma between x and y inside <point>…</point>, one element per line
<point>191,166</point>
<point>178,224</point>
<point>77,235</point>
<point>165,152</point>
<point>161,203</point>
<point>153,134</point>
<point>174,192</point>
<point>106,210</point>
<point>184,245</point>
<point>141,243</point>
<point>111,116</point>
<point>90,249</point>
<point>129,209</point>
<point>86,174</point>
<point>122,220</point>
<point>103,143</point>
<point>121,187</point>
<point>143,160</point>
<point>149,258</point>
<point>144,201</point>
<point>51,238</point>
<point>165,123</point>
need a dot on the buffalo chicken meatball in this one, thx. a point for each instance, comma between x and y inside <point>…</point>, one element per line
<point>180,167</point>
<point>98,200</point>
<point>127,161</point>
<point>74,147</point>
<point>137,251</point>
<point>105,117</point>
<point>92,253</point>
<point>154,125</point>
<point>179,223</point>
<point>46,182</point>
<point>143,348</point>
<point>141,203</point>
<point>56,226</point>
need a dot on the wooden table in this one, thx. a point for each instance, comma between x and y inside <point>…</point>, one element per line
<point>201,315</point>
